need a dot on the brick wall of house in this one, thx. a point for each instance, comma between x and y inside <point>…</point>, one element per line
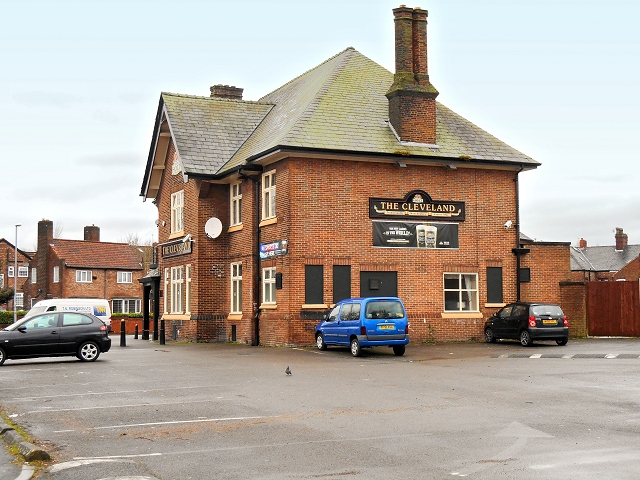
<point>631,271</point>
<point>573,301</point>
<point>549,265</point>
<point>7,255</point>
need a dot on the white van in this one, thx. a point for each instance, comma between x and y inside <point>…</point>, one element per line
<point>95,306</point>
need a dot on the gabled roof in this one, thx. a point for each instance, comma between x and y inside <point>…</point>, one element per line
<point>602,258</point>
<point>83,254</point>
<point>21,252</point>
<point>338,106</point>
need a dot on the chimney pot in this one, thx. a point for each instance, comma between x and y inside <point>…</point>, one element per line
<point>621,239</point>
<point>583,243</point>
<point>226,91</point>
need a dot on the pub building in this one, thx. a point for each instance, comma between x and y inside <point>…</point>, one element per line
<point>347,181</point>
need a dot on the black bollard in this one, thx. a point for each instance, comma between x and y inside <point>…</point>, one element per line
<point>123,334</point>
<point>135,332</point>
<point>162,339</point>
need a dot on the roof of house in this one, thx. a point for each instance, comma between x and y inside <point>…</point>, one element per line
<point>21,252</point>
<point>340,105</point>
<point>602,258</point>
<point>84,254</point>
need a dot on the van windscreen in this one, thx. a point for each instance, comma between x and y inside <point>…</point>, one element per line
<point>384,309</point>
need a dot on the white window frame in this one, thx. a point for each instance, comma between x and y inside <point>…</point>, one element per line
<point>177,285</point>
<point>1,280</point>
<point>177,212</point>
<point>19,300</point>
<point>187,290</point>
<point>166,290</point>
<point>124,277</point>
<point>467,295</point>
<point>56,274</point>
<point>84,276</point>
<point>23,272</point>
<point>236,287</point>
<point>235,191</point>
<point>34,275</point>
<point>10,272</point>
<point>269,195</point>
<point>269,286</point>
<point>126,305</point>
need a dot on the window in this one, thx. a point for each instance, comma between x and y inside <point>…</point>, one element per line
<point>313,284</point>
<point>56,274</point>
<point>494,284</point>
<point>461,292</point>
<point>1,280</point>
<point>10,272</point>
<point>236,203</point>
<point>19,299</point>
<point>126,305</point>
<point>269,285</point>
<point>269,195</point>
<point>83,276</point>
<point>187,292</point>
<point>34,275</point>
<point>23,272</point>
<point>166,289</point>
<point>177,280</point>
<point>177,212</point>
<point>236,287</point>
<point>350,311</point>
<point>71,319</point>
<point>125,277</point>
<point>341,282</point>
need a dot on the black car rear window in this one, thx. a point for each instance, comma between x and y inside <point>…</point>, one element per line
<point>543,310</point>
<point>384,309</point>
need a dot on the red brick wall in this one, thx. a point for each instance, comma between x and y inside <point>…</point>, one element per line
<point>550,264</point>
<point>573,301</point>
<point>631,271</point>
<point>7,253</point>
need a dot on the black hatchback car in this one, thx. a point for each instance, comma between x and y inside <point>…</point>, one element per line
<point>528,321</point>
<point>55,334</point>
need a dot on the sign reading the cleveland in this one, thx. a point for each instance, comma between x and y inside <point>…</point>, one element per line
<point>417,204</point>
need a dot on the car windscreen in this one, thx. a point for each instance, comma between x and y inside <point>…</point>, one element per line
<point>544,310</point>
<point>35,311</point>
<point>384,309</point>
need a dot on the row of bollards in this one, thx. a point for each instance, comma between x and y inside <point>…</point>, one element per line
<point>123,333</point>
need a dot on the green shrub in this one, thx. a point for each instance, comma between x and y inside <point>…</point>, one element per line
<point>6,316</point>
<point>126,315</point>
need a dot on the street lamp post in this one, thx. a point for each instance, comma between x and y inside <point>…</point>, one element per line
<point>15,277</point>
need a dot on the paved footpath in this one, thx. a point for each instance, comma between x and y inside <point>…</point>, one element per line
<point>8,470</point>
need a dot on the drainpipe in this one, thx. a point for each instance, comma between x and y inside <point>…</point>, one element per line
<point>258,277</point>
<point>518,251</point>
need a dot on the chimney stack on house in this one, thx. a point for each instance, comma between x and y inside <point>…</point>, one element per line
<point>621,239</point>
<point>45,239</point>
<point>226,91</point>
<point>412,98</point>
<point>583,243</point>
<point>91,233</point>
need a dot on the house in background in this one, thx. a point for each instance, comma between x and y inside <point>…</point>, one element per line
<point>85,268</point>
<point>8,276</point>
<point>606,263</point>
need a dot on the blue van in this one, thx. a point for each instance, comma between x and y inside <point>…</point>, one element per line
<point>365,322</point>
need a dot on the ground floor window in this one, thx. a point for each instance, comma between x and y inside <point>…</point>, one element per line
<point>269,285</point>
<point>187,293</point>
<point>461,292</point>
<point>19,299</point>
<point>126,305</point>
<point>236,287</point>
<point>177,281</point>
<point>313,284</point>
<point>494,284</point>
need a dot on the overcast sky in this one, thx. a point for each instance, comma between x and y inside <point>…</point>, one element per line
<point>80,83</point>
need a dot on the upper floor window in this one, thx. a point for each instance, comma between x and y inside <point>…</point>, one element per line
<point>236,203</point>
<point>23,272</point>
<point>34,275</point>
<point>125,277</point>
<point>10,272</point>
<point>177,212</point>
<point>460,292</point>
<point>56,274</point>
<point>83,276</point>
<point>269,195</point>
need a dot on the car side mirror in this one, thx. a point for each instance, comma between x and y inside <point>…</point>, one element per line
<point>495,314</point>
<point>22,329</point>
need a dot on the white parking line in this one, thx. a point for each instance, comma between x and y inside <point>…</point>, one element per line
<point>144,390</point>
<point>570,355</point>
<point>536,355</point>
<point>611,355</point>
<point>144,404</point>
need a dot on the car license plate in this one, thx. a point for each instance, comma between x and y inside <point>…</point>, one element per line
<point>387,326</point>
<point>549,322</point>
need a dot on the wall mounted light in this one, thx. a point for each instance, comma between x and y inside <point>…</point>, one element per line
<point>401,164</point>
<point>450,167</point>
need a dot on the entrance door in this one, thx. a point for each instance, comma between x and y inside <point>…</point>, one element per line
<point>378,284</point>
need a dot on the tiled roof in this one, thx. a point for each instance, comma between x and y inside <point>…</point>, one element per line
<point>603,259</point>
<point>83,254</point>
<point>338,105</point>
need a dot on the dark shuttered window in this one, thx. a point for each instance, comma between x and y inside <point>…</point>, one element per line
<point>313,284</point>
<point>494,285</point>
<point>341,282</point>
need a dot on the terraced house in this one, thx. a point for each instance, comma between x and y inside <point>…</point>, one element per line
<point>349,180</point>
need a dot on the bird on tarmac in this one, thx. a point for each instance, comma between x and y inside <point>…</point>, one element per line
<point>288,370</point>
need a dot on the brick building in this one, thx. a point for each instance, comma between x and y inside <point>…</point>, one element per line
<point>85,268</point>
<point>606,262</point>
<point>381,190</point>
<point>8,276</point>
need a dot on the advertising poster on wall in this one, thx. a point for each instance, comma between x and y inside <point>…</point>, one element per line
<point>273,249</point>
<point>415,235</point>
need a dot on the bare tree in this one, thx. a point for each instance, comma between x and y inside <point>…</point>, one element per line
<point>58,229</point>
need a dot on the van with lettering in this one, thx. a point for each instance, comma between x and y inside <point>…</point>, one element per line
<point>363,323</point>
<point>95,306</point>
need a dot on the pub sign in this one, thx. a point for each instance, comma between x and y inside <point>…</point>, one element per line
<point>416,205</point>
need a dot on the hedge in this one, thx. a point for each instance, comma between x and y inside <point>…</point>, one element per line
<point>6,316</point>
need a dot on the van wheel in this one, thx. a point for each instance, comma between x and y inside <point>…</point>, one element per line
<point>3,356</point>
<point>398,350</point>
<point>525,339</point>
<point>355,347</point>
<point>88,352</point>
<point>320,342</point>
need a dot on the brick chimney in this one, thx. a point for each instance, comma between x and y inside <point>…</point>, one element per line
<point>92,234</point>
<point>412,98</point>
<point>226,91</point>
<point>45,239</point>
<point>583,243</point>
<point>621,239</point>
